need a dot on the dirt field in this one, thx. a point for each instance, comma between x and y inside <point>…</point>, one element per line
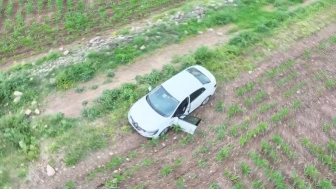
<point>293,96</point>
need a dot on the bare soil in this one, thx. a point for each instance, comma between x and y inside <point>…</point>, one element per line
<point>70,102</point>
<point>317,105</point>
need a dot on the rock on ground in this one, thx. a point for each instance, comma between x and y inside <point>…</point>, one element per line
<point>50,171</point>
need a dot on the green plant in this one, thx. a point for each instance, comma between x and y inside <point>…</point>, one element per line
<point>70,185</point>
<point>325,184</point>
<point>224,153</point>
<point>311,172</point>
<point>84,103</point>
<point>245,168</point>
<point>80,89</point>
<point>214,186</point>
<point>202,163</point>
<point>220,107</point>
<point>257,184</point>
<point>180,182</point>
<point>233,177</point>
<point>296,105</point>
<point>234,110</point>
<point>110,73</point>
<point>176,128</point>
<point>264,108</point>
<point>280,115</point>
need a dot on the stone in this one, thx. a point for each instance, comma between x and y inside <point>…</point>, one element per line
<point>219,34</point>
<point>186,32</point>
<point>200,32</point>
<point>143,47</point>
<point>230,1</point>
<point>66,52</point>
<point>28,112</point>
<point>34,103</point>
<point>115,171</point>
<point>50,171</point>
<point>111,153</point>
<point>18,93</point>
<point>37,111</point>
<point>163,144</point>
<point>17,99</point>
<point>52,81</point>
<point>210,29</point>
<point>61,48</point>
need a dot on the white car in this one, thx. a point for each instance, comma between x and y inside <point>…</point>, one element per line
<point>170,103</point>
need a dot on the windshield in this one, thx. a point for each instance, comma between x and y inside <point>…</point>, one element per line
<point>162,102</point>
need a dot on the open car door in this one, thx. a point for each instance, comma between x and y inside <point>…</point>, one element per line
<point>189,123</point>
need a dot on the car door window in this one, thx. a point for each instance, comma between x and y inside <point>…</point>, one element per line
<point>196,94</point>
<point>182,107</point>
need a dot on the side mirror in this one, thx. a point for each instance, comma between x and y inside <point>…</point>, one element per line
<point>149,88</point>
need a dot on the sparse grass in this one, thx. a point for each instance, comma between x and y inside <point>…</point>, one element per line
<point>180,183</point>
<point>70,185</point>
<point>224,153</point>
<point>245,169</point>
<point>276,118</point>
<point>80,89</point>
<point>214,186</point>
<point>231,176</point>
<point>311,172</point>
<point>166,170</point>
<point>266,107</point>
<point>220,106</point>
<point>234,110</point>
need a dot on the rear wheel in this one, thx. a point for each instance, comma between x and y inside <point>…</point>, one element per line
<point>206,100</point>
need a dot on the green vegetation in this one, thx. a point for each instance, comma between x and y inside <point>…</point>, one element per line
<point>22,139</point>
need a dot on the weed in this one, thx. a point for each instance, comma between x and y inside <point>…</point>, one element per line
<point>257,184</point>
<point>165,171</point>
<point>325,184</point>
<point>311,172</point>
<point>70,185</point>
<point>180,182</point>
<point>260,96</point>
<point>296,105</point>
<point>84,103</point>
<point>233,110</point>
<point>176,128</point>
<point>280,115</point>
<point>153,142</point>
<point>80,89</point>
<point>245,168</point>
<point>214,186</point>
<point>234,178</point>
<point>307,54</point>
<point>110,73</point>
<point>139,186</point>
<point>220,106</point>
<point>224,153</point>
<point>146,162</point>
<point>266,107</point>
<point>202,163</point>
<point>234,130</point>
<point>94,87</point>
<point>186,140</point>
<point>330,83</point>
<point>239,185</point>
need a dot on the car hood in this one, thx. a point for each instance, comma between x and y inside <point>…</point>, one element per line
<point>146,117</point>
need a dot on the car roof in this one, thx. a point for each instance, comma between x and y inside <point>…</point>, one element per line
<point>182,85</point>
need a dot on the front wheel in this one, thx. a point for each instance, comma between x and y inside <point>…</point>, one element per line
<point>206,100</point>
<point>165,131</point>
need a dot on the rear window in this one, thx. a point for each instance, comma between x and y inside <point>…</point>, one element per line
<point>199,75</point>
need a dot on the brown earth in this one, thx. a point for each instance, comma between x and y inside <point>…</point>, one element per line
<point>70,102</point>
<point>317,106</point>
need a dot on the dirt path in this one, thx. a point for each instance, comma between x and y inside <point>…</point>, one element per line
<point>213,172</point>
<point>70,102</point>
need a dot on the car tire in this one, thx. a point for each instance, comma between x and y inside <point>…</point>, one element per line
<point>205,101</point>
<point>165,131</point>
